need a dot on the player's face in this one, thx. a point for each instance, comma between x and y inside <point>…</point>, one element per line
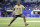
<point>18,3</point>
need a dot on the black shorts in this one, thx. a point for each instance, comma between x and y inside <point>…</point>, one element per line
<point>17,15</point>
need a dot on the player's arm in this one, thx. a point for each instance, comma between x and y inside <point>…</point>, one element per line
<point>25,9</point>
<point>14,9</point>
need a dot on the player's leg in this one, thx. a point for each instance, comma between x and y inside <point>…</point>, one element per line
<point>12,21</point>
<point>24,19</point>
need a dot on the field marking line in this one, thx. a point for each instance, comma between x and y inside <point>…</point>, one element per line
<point>32,21</point>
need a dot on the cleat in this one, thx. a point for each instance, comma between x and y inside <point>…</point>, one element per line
<point>26,24</point>
<point>8,24</point>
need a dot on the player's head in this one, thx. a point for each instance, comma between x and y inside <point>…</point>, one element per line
<point>18,3</point>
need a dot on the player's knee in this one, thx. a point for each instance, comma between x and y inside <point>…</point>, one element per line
<point>23,16</point>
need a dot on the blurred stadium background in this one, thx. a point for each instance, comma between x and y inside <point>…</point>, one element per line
<point>32,6</point>
<point>32,14</point>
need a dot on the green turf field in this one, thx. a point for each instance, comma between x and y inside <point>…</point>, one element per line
<point>4,21</point>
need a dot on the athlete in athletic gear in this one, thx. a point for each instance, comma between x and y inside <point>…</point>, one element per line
<point>18,13</point>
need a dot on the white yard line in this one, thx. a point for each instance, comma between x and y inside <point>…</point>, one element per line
<point>32,21</point>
